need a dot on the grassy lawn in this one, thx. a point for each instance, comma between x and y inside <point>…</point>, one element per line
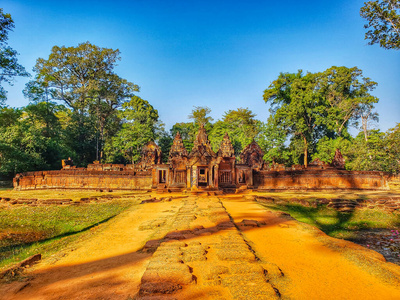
<point>75,195</point>
<point>26,230</point>
<point>334,223</point>
<point>338,224</point>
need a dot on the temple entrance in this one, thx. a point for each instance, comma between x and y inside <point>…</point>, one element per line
<point>162,176</point>
<point>225,177</point>
<point>180,177</point>
<point>203,176</point>
<point>226,173</point>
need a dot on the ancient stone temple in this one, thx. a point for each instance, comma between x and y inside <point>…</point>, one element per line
<point>203,170</point>
<point>202,162</point>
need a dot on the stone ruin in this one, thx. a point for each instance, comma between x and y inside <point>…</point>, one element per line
<point>338,161</point>
<point>150,155</point>
<point>252,156</point>
<point>203,170</point>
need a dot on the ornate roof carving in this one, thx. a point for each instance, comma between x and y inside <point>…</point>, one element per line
<point>226,148</point>
<point>178,150</point>
<point>252,155</point>
<point>151,155</point>
<point>201,146</point>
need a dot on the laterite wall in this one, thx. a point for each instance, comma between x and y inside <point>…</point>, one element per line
<point>319,179</point>
<point>83,179</point>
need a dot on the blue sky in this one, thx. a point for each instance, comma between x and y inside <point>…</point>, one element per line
<point>220,54</point>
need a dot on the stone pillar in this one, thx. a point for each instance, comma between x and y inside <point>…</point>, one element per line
<point>194,176</point>
<point>250,181</point>
<point>209,175</point>
<point>233,173</point>
<point>188,180</point>
<point>216,176</point>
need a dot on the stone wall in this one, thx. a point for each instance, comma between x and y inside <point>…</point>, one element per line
<point>310,179</point>
<point>84,179</point>
<point>119,177</point>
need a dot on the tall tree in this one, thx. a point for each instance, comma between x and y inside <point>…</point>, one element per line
<point>140,125</point>
<point>347,97</point>
<point>370,155</point>
<point>241,126</point>
<point>316,105</point>
<point>84,79</point>
<point>200,115</point>
<point>296,108</point>
<point>9,66</point>
<point>383,18</point>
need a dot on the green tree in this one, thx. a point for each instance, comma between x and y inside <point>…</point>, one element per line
<point>112,94</point>
<point>83,78</point>
<point>9,66</point>
<point>383,18</point>
<point>370,155</point>
<point>272,141</point>
<point>30,139</point>
<point>326,147</point>
<point>140,125</point>
<point>165,141</point>
<point>393,147</point>
<point>297,109</point>
<point>241,126</point>
<point>187,131</point>
<point>200,116</point>
<point>347,98</point>
<point>315,105</point>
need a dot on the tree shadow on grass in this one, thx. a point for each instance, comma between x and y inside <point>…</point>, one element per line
<point>16,247</point>
<point>334,223</point>
<point>338,221</point>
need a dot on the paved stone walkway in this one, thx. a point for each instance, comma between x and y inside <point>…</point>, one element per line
<point>204,254</point>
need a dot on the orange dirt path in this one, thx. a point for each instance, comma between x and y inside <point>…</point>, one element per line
<point>314,265</point>
<point>209,248</point>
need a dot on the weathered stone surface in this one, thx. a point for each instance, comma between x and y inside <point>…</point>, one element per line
<point>201,147</point>
<point>338,161</point>
<point>226,148</point>
<point>314,179</point>
<point>252,156</point>
<point>316,163</point>
<point>177,150</point>
<point>84,179</point>
<point>67,163</point>
<point>151,155</point>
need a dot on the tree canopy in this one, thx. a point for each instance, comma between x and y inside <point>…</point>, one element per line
<point>84,79</point>
<point>307,107</point>
<point>9,66</point>
<point>140,124</point>
<point>383,25</point>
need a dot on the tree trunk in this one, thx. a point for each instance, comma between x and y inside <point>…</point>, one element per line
<point>364,120</point>
<point>305,151</point>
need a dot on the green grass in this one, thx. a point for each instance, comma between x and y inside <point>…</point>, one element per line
<point>338,224</point>
<point>25,230</point>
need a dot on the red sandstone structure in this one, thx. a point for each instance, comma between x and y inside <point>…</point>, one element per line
<point>202,170</point>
